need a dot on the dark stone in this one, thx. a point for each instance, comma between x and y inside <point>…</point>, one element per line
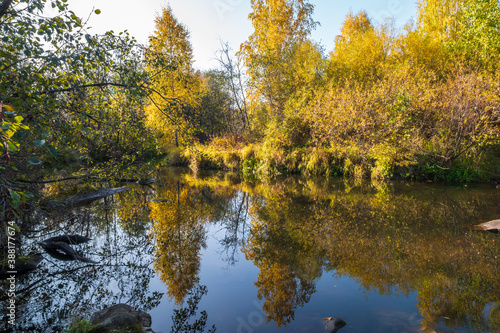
<point>161,200</point>
<point>22,265</point>
<point>333,324</point>
<point>68,239</point>
<point>63,251</point>
<point>122,318</point>
<point>147,181</point>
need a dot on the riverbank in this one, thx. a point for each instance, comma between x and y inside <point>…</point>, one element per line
<point>269,160</point>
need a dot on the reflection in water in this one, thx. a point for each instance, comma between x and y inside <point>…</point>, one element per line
<point>59,290</point>
<point>179,229</point>
<point>392,239</point>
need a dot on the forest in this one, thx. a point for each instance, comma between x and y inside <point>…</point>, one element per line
<point>418,102</point>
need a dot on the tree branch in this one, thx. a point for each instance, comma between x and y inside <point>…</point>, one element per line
<point>93,85</point>
<point>5,6</point>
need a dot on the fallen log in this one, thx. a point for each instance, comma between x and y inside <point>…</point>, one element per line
<point>86,197</point>
<point>491,226</point>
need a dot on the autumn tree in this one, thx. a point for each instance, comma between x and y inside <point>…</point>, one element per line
<point>466,29</point>
<point>169,60</point>
<point>280,26</point>
<point>360,50</point>
<point>440,18</point>
<point>479,37</point>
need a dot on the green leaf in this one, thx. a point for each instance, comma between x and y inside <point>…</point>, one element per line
<point>14,196</point>
<point>16,227</point>
<point>18,119</point>
<point>13,146</point>
<point>34,160</point>
<point>52,150</point>
<point>39,143</point>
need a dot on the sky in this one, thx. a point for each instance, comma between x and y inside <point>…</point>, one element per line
<point>210,21</point>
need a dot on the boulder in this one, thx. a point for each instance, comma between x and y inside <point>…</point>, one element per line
<point>161,200</point>
<point>148,181</point>
<point>121,318</point>
<point>68,239</point>
<point>22,265</point>
<point>333,324</point>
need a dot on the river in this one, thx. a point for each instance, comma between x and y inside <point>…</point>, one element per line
<point>272,256</point>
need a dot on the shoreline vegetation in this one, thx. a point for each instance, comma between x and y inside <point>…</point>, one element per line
<point>259,161</point>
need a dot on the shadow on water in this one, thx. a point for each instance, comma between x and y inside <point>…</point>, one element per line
<point>392,239</point>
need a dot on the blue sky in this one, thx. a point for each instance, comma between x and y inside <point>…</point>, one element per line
<point>209,20</point>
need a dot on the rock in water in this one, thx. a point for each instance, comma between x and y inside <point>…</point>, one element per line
<point>147,181</point>
<point>333,324</point>
<point>161,200</point>
<point>54,248</point>
<point>63,251</point>
<point>68,239</point>
<point>22,265</point>
<point>121,316</point>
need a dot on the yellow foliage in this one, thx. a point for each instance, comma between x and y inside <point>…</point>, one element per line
<point>359,51</point>
<point>175,85</point>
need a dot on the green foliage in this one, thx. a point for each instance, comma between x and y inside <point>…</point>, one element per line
<point>12,196</point>
<point>79,326</point>
<point>275,50</point>
<point>10,125</point>
<point>72,87</point>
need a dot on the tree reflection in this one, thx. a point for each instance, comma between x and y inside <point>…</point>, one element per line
<point>285,254</point>
<point>392,239</point>
<point>234,222</point>
<point>179,230</point>
<point>59,290</point>
<point>283,291</point>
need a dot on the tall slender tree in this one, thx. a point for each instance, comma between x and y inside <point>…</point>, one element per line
<point>169,59</point>
<point>280,26</point>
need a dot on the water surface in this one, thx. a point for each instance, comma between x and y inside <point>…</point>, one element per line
<point>274,257</point>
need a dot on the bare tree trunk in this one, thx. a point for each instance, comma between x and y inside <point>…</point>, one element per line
<point>234,74</point>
